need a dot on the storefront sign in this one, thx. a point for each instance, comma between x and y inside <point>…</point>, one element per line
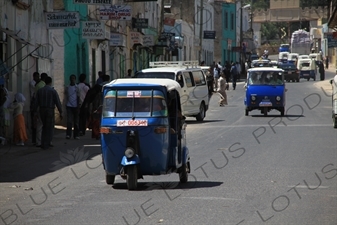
<point>115,12</point>
<point>332,39</point>
<point>117,40</point>
<point>148,40</point>
<point>209,34</point>
<point>93,30</point>
<point>62,20</point>
<point>136,38</point>
<point>93,2</point>
<point>140,23</point>
<point>166,35</point>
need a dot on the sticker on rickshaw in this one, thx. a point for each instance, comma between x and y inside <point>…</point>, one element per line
<point>132,94</point>
<point>135,123</point>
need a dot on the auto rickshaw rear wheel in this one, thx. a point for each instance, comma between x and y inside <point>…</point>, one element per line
<point>246,112</point>
<point>183,173</point>
<point>110,179</point>
<point>131,177</point>
<point>334,122</point>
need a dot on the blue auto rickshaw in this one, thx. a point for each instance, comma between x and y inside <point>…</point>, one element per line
<point>265,90</point>
<point>142,130</point>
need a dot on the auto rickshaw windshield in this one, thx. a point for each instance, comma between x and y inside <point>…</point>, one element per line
<point>265,78</point>
<point>134,103</point>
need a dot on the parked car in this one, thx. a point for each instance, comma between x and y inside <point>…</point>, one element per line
<point>291,73</point>
<point>191,79</point>
<point>333,82</point>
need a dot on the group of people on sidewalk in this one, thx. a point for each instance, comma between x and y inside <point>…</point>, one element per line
<point>83,108</point>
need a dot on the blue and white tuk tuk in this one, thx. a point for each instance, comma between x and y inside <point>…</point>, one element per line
<point>265,90</point>
<point>142,130</point>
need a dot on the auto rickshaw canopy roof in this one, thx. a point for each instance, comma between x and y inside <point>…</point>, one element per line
<point>134,82</point>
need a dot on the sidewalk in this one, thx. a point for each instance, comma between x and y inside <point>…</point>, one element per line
<point>325,84</point>
<point>59,141</point>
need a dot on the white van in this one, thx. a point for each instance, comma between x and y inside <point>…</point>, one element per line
<point>191,79</point>
<point>307,68</point>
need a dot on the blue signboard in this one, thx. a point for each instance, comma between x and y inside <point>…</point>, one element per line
<point>332,39</point>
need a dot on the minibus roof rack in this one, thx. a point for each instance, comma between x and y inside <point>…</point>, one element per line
<point>187,64</point>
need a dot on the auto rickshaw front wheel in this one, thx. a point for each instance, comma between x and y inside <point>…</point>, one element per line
<point>110,179</point>
<point>183,173</point>
<point>282,111</point>
<point>265,111</point>
<point>334,120</point>
<point>131,177</point>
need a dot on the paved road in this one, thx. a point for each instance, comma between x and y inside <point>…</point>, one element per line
<point>245,170</point>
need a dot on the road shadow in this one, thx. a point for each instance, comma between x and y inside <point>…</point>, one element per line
<point>167,185</point>
<point>25,163</point>
<point>205,121</point>
<point>286,116</point>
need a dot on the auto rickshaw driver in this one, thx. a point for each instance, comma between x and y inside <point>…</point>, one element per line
<point>253,79</point>
<point>275,80</point>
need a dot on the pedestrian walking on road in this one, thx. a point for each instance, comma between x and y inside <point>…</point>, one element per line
<point>32,84</point>
<point>46,100</point>
<point>83,89</point>
<point>39,84</point>
<point>234,73</point>
<point>19,129</point>
<point>216,76</point>
<point>222,91</point>
<point>72,95</point>
<point>327,62</point>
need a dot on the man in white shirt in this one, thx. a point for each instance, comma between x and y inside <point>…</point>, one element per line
<point>72,94</point>
<point>83,89</point>
<point>216,75</point>
<point>222,91</point>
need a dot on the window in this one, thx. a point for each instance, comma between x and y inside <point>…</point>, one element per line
<point>232,21</point>
<point>226,20</point>
<point>188,79</point>
<point>138,103</point>
<point>199,78</point>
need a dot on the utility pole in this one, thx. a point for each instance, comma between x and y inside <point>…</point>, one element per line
<point>201,27</point>
<point>242,56</point>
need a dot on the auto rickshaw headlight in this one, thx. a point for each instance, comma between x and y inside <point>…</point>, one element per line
<point>278,98</point>
<point>253,97</point>
<point>129,153</point>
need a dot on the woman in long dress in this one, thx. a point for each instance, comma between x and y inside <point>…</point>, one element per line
<point>20,135</point>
